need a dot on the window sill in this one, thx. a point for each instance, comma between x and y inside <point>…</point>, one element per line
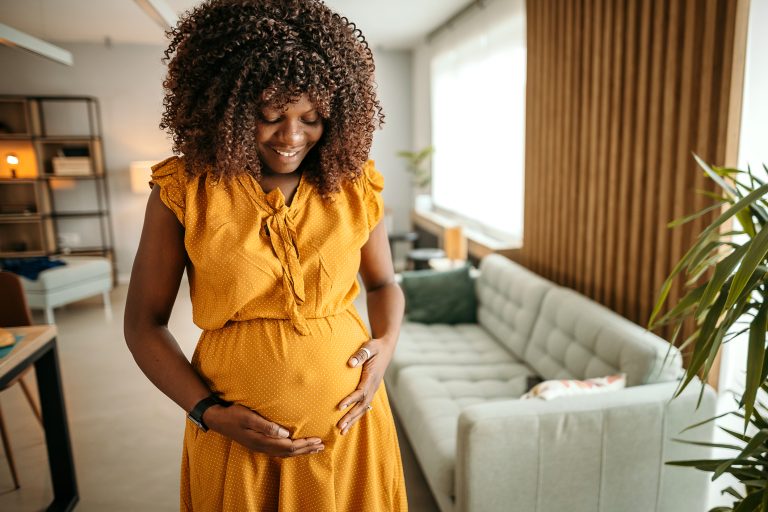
<point>479,244</point>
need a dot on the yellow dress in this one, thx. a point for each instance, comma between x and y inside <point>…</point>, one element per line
<point>272,288</point>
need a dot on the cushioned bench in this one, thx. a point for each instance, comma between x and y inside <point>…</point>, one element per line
<point>80,278</point>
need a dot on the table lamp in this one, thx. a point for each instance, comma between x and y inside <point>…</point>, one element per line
<point>11,159</point>
<point>141,172</point>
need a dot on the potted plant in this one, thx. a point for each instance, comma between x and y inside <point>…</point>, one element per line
<point>726,284</point>
<point>421,177</point>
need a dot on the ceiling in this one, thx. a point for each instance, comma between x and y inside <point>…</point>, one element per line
<point>391,24</point>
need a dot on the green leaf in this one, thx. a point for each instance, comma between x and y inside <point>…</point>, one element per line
<point>714,195</point>
<point>697,247</point>
<point>708,252</point>
<point>723,271</point>
<point>707,342</point>
<point>711,445</point>
<point>691,299</point>
<point>715,176</point>
<point>694,216</point>
<point>735,434</point>
<point>751,502</point>
<point>755,445</point>
<point>755,359</point>
<point>704,463</point>
<point>733,210</point>
<point>756,252</point>
<point>745,219</point>
<point>695,425</point>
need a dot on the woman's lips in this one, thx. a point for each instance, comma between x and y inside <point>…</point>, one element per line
<point>286,153</point>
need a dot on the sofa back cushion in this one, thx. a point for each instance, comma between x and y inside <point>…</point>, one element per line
<point>509,297</point>
<point>576,338</point>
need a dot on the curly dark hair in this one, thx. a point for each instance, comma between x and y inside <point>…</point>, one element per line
<point>229,59</point>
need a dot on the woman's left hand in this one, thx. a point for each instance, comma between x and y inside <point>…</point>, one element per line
<point>375,356</point>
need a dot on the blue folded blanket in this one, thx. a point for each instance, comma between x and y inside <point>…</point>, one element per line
<point>29,267</point>
<point>7,350</point>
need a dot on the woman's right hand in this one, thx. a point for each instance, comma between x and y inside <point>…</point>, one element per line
<point>257,433</point>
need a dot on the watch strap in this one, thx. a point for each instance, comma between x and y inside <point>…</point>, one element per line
<point>196,414</point>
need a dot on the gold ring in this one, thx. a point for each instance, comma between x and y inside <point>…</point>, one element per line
<point>367,353</point>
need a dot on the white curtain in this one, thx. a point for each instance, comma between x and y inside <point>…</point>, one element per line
<point>478,129</point>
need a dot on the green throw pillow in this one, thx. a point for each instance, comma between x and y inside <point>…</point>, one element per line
<point>440,297</point>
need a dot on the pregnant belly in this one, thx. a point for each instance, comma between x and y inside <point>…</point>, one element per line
<point>296,381</point>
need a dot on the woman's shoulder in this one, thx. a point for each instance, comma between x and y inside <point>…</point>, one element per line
<point>372,177</point>
<point>173,165</point>
<point>369,179</point>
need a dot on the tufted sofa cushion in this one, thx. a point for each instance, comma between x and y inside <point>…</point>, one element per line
<point>576,338</point>
<point>427,344</point>
<point>431,398</point>
<point>509,297</point>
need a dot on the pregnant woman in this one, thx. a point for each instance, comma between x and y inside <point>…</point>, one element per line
<point>273,209</point>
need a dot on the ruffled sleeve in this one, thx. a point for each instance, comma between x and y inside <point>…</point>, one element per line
<point>373,184</point>
<point>170,176</point>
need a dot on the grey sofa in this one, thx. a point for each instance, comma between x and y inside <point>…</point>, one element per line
<point>456,388</point>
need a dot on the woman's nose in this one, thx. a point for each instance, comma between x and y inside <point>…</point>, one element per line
<point>291,133</point>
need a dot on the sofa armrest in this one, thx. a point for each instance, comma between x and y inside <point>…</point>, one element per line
<point>584,453</point>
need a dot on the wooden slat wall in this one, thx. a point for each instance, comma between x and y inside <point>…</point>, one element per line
<point>619,94</point>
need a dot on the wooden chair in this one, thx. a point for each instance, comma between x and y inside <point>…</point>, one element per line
<point>14,312</point>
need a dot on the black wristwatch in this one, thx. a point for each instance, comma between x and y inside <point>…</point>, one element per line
<point>196,414</point>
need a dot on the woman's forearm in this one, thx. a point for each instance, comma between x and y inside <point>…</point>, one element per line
<point>160,358</point>
<point>385,311</point>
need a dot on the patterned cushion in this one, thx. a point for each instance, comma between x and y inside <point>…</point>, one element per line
<point>431,398</point>
<point>576,338</point>
<point>509,297</point>
<point>551,389</point>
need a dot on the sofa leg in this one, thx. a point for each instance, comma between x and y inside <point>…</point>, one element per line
<point>49,316</point>
<point>107,306</point>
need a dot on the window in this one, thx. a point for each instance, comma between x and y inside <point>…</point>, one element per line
<point>478,130</point>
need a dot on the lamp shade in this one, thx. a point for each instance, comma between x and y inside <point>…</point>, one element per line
<point>141,172</point>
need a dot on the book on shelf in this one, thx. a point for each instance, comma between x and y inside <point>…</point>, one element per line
<point>72,165</point>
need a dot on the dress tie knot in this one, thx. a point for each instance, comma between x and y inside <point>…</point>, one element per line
<point>282,235</point>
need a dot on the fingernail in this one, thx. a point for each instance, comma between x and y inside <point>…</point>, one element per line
<point>343,425</point>
<point>283,433</point>
<point>320,449</point>
<point>343,406</point>
<point>317,441</point>
<point>354,361</point>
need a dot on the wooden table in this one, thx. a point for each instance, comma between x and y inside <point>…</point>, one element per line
<point>38,348</point>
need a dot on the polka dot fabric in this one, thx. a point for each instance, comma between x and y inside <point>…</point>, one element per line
<point>272,288</point>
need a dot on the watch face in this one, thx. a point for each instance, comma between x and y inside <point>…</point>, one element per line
<point>198,423</point>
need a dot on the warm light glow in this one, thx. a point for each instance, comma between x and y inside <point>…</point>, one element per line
<point>140,174</point>
<point>12,159</point>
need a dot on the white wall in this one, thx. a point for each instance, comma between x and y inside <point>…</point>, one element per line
<point>393,74</point>
<point>126,79</point>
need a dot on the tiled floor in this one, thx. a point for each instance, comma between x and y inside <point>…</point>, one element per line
<point>126,435</point>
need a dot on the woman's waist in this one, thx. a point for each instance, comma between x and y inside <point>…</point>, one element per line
<point>262,317</point>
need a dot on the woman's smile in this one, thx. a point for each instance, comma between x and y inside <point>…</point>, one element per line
<point>285,137</point>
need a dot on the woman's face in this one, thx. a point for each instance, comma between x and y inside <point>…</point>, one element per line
<point>283,139</point>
